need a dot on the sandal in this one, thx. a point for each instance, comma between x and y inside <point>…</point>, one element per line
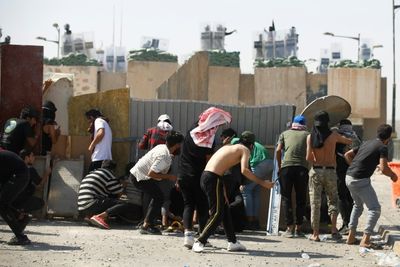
<point>336,236</point>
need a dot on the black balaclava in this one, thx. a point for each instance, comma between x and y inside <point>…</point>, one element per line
<point>320,129</point>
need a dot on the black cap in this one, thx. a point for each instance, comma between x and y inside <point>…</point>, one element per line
<point>248,137</point>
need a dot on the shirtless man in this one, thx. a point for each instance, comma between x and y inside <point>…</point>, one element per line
<point>212,184</point>
<point>321,144</point>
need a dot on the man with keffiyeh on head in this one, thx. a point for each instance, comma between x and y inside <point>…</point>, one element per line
<point>198,146</point>
<point>321,145</point>
<point>293,171</point>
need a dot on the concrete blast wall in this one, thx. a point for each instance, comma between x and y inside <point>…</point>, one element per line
<point>111,80</point>
<point>84,77</point>
<point>196,80</point>
<point>370,125</point>
<point>189,82</point>
<point>280,86</point>
<point>246,90</point>
<point>60,92</point>
<point>144,77</point>
<point>360,87</point>
<point>223,85</point>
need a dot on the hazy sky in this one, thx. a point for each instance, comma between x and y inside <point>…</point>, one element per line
<point>180,22</point>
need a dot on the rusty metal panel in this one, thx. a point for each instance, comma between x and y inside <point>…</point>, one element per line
<point>267,122</point>
<point>21,79</point>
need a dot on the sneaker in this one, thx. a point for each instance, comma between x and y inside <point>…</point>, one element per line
<point>288,233</point>
<point>198,246</point>
<point>235,246</point>
<point>298,233</point>
<point>188,240</point>
<point>19,241</point>
<point>99,222</point>
<point>149,230</point>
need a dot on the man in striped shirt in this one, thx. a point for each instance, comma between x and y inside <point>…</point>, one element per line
<point>99,194</point>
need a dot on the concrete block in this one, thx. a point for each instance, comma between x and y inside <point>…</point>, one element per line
<point>64,187</point>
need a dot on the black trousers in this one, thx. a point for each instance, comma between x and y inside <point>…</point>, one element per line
<point>95,165</point>
<point>345,199</point>
<point>28,204</point>
<point>9,192</point>
<point>212,185</point>
<point>151,188</point>
<point>113,207</point>
<point>296,176</point>
<point>193,199</point>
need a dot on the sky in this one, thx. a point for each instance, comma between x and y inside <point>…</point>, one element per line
<point>181,22</point>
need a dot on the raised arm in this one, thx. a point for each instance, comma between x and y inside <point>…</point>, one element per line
<point>244,166</point>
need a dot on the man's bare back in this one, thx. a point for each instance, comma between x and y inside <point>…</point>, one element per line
<point>228,156</point>
<point>325,156</point>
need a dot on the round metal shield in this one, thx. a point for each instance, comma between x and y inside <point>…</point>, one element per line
<point>337,107</point>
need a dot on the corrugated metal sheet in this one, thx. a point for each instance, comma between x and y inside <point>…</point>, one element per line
<point>267,122</point>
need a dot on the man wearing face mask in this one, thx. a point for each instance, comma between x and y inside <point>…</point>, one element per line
<point>149,171</point>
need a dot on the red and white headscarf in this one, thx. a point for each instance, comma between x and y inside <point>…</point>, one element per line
<point>204,134</point>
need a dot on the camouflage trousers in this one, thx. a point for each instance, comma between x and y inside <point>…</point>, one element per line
<point>322,179</point>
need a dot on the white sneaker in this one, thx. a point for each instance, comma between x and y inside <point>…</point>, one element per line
<point>188,240</point>
<point>198,246</point>
<point>235,246</point>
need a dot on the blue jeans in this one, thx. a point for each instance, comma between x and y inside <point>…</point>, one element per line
<point>251,191</point>
<point>363,193</point>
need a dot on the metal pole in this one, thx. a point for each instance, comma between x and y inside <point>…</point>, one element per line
<point>358,50</point>
<point>58,43</point>
<point>394,73</point>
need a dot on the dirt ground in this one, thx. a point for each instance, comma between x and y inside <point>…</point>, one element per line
<point>72,243</point>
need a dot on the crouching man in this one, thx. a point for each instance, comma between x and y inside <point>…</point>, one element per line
<point>98,196</point>
<point>149,171</point>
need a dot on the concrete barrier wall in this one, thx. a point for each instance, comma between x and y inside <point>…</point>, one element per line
<point>223,85</point>
<point>144,77</point>
<point>85,77</point>
<point>60,92</point>
<point>370,125</point>
<point>360,87</point>
<point>114,104</point>
<point>111,80</point>
<point>246,90</point>
<point>189,82</point>
<point>317,86</point>
<point>274,86</point>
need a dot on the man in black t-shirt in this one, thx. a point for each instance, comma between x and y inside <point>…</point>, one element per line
<point>363,164</point>
<point>14,177</point>
<point>18,133</point>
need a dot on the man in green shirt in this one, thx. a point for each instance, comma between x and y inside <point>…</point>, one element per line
<point>262,166</point>
<point>293,171</point>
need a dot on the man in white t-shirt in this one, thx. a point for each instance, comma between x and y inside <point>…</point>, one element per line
<point>149,171</point>
<point>101,138</point>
